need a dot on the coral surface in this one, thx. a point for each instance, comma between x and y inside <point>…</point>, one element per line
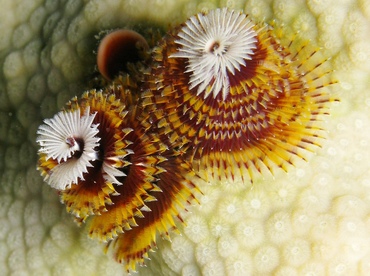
<point>315,219</point>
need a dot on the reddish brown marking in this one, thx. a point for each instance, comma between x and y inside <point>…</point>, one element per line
<point>117,49</point>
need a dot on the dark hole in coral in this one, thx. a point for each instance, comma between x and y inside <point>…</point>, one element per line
<point>117,50</point>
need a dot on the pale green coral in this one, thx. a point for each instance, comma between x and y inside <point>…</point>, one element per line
<point>314,220</point>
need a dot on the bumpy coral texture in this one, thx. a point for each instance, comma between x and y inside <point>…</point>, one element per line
<point>315,219</point>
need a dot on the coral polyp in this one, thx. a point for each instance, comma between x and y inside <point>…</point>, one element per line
<point>238,95</point>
